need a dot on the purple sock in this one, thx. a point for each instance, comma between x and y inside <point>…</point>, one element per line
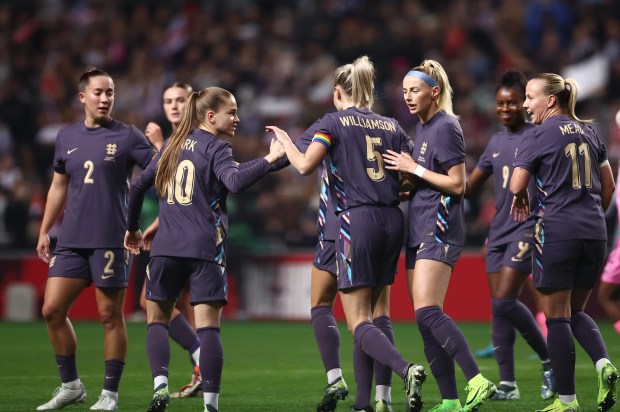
<point>504,335</point>
<point>522,319</point>
<point>383,374</point>
<point>327,335</point>
<point>158,348</point>
<point>211,358</point>
<point>450,337</point>
<point>441,364</point>
<point>588,335</point>
<point>183,334</point>
<point>67,368</point>
<point>562,354</point>
<point>372,341</point>
<point>113,372</point>
<point>362,367</point>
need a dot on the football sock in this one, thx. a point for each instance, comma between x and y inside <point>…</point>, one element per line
<point>449,337</point>
<point>327,336</point>
<point>363,368</point>
<point>383,374</point>
<point>440,363</point>
<point>158,348</point>
<point>378,346</point>
<point>588,335</point>
<point>211,358</point>
<point>562,354</point>
<point>113,372</point>
<point>67,368</point>
<point>182,333</point>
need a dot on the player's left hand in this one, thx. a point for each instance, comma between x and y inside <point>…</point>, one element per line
<point>399,161</point>
<point>281,135</point>
<point>520,209</point>
<point>133,242</point>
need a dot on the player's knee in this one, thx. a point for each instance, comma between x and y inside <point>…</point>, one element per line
<point>52,314</point>
<point>503,306</point>
<point>110,318</point>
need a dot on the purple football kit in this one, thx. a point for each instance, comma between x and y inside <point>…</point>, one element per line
<point>509,241</point>
<point>193,221</point>
<point>436,219</point>
<point>98,162</point>
<point>565,157</point>
<point>370,224</point>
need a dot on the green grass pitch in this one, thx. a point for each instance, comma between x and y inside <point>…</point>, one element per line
<point>268,366</point>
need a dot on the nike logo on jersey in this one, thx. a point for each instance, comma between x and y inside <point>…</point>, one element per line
<point>516,259</point>
<point>72,150</point>
<point>106,276</point>
<point>495,154</point>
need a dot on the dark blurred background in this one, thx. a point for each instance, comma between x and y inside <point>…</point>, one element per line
<point>277,57</point>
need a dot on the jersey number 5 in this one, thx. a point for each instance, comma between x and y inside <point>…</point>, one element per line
<point>373,155</point>
<point>182,189</point>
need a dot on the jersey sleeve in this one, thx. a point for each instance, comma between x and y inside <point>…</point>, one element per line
<point>59,159</point>
<point>237,178</point>
<point>450,146</point>
<point>136,195</point>
<point>141,151</point>
<point>485,163</point>
<point>527,156</point>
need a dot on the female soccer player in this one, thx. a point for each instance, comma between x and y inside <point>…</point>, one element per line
<point>575,186</point>
<point>323,291</point>
<point>92,166</point>
<point>192,177</point>
<point>436,230</point>
<point>174,99</point>
<point>369,220</point>
<point>609,286</point>
<point>508,254</point>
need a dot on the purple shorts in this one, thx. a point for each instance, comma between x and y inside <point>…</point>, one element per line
<point>441,252</point>
<point>570,264</point>
<point>166,277</point>
<point>611,273</point>
<point>325,256</point>
<point>368,246</point>
<point>106,268</point>
<point>515,255</point>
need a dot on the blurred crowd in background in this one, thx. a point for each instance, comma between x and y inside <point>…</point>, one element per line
<point>277,57</point>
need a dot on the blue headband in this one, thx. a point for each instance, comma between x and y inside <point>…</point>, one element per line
<point>428,79</point>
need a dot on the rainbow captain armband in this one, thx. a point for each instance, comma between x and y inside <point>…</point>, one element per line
<point>325,139</point>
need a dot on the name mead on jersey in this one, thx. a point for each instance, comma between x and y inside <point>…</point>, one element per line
<point>367,123</point>
<point>571,128</point>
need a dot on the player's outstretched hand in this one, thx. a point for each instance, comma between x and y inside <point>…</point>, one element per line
<point>281,135</point>
<point>133,242</point>
<point>520,209</point>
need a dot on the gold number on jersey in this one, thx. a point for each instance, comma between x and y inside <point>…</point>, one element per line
<point>373,155</point>
<point>584,149</point>
<point>184,178</point>
<point>505,176</point>
<point>90,166</point>
<point>523,248</point>
<point>109,270</point>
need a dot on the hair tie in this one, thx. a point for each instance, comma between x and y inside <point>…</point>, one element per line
<point>421,75</point>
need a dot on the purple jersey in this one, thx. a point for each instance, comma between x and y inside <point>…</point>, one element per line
<point>355,139</point>
<point>565,157</point>
<point>497,160</point>
<point>435,216</point>
<point>98,162</point>
<point>192,217</point>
